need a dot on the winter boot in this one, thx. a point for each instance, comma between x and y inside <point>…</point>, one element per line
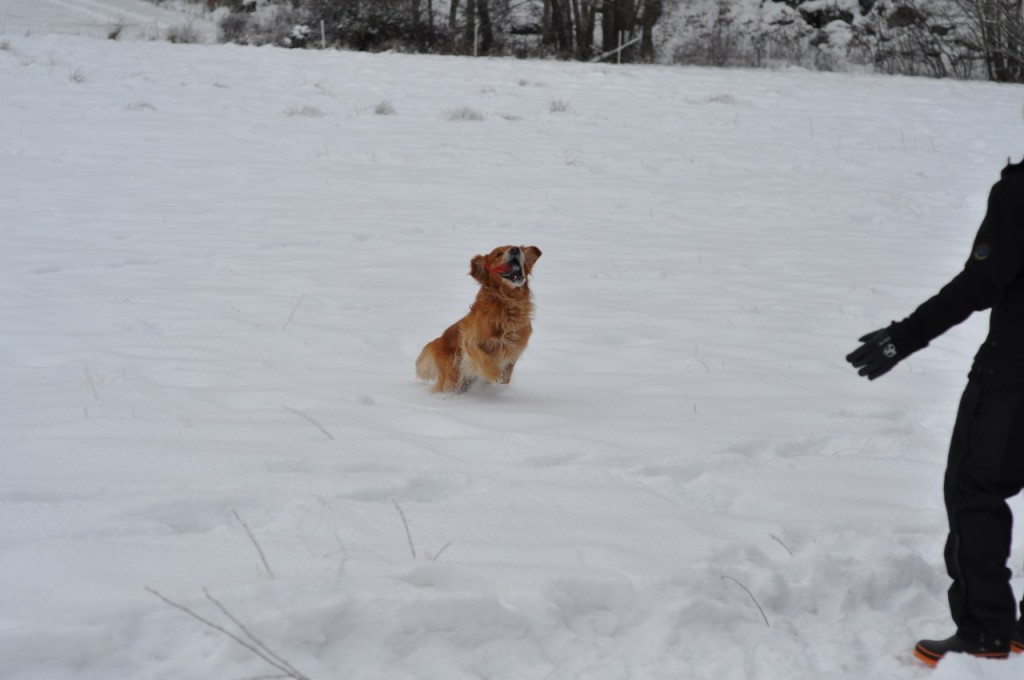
<point>931,651</point>
<point>1017,643</point>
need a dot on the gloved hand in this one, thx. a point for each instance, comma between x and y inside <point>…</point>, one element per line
<point>880,351</point>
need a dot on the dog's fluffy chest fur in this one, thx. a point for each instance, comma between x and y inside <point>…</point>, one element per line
<point>506,315</point>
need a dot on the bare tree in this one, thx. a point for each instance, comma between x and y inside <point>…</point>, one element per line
<point>625,20</point>
<point>584,15</point>
<point>453,15</point>
<point>470,26</point>
<point>557,23</point>
<point>997,29</point>
<point>478,27</point>
<point>946,38</point>
<point>651,14</point>
<point>578,29</point>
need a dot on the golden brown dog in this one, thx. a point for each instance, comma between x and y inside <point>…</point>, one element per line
<point>487,342</point>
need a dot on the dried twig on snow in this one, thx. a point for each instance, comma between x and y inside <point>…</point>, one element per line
<point>92,383</point>
<point>287,667</point>
<point>254,644</point>
<point>252,538</point>
<point>294,309</point>
<point>780,542</point>
<point>405,522</point>
<point>756,603</point>
<point>310,420</point>
<point>439,552</point>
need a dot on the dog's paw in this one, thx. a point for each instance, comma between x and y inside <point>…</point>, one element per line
<point>506,374</point>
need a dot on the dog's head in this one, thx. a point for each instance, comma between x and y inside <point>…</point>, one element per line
<point>505,266</point>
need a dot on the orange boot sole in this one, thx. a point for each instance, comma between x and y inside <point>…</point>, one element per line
<point>932,659</point>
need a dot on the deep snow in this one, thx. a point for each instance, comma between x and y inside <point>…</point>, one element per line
<point>219,264</point>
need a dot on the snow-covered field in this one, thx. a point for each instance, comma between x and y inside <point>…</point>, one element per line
<point>219,263</point>
<point>137,19</point>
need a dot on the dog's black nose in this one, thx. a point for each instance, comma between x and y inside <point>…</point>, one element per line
<point>514,251</point>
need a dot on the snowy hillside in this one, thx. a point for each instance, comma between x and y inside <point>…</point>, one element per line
<point>219,264</point>
<point>134,19</point>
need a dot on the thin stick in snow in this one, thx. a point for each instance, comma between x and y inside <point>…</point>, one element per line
<point>779,541</point>
<point>294,309</point>
<point>311,421</point>
<point>405,522</point>
<point>287,667</point>
<point>92,383</point>
<point>696,354</point>
<point>439,552</point>
<point>266,565</point>
<point>271,658</point>
<point>756,603</point>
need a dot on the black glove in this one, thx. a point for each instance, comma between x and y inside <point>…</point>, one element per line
<point>882,349</point>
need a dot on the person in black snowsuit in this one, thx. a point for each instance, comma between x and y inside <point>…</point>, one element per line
<point>986,455</point>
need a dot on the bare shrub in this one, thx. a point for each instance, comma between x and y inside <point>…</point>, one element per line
<point>722,99</point>
<point>719,39</point>
<point>560,106</point>
<point>385,108</point>
<point>268,25</point>
<point>115,31</point>
<point>464,113</point>
<point>305,112</point>
<point>379,25</point>
<point>234,28</point>
<point>77,76</point>
<point>184,34</point>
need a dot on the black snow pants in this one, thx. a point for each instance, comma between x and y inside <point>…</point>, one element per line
<point>985,469</point>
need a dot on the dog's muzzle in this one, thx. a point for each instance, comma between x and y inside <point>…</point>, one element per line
<point>514,272</point>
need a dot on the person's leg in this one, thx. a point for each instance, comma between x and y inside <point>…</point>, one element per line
<point>1017,441</point>
<point>986,466</point>
<point>1017,643</point>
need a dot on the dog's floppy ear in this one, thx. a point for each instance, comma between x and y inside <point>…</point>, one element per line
<point>532,255</point>
<point>478,268</point>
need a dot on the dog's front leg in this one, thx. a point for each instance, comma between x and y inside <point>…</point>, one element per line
<point>506,373</point>
<point>483,362</point>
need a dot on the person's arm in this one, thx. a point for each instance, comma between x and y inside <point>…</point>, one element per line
<point>996,261</point>
<point>968,292</point>
<point>880,350</point>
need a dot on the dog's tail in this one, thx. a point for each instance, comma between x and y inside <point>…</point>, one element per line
<point>426,364</point>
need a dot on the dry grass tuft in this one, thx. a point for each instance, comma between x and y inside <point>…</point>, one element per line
<point>464,113</point>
